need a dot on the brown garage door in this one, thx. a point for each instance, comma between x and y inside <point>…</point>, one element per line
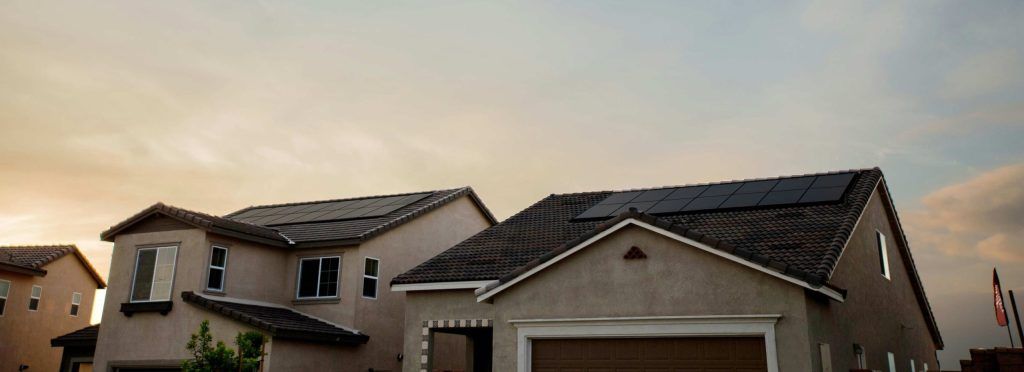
<point>696,354</point>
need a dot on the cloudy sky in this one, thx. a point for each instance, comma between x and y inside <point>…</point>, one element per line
<point>108,107</point>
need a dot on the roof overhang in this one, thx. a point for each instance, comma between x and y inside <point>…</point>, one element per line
<point>439,286</point>
<point>21,269</point>
<point>487,293</point>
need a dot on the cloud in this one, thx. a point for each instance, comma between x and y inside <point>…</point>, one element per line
<point>984,73</point>
<point>982,217</point>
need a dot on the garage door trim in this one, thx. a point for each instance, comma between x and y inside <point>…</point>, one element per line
<point>668,326</point>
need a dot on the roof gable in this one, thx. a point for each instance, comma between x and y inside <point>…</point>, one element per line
<point>31,259</point>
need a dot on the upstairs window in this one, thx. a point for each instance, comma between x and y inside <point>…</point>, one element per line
<point>318,277</point>
<point>154,274</point>
<point>883,254</point>
<point>5,289</point>
<point>217,270</point>
<point>371,272</point>
<point>33,301</point>
<point>76,302</point>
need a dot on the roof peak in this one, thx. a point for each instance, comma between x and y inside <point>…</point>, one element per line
<point>855,170</point>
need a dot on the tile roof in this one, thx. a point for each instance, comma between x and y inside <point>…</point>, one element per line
<point>82,337</point>
<point>306,234</point>
<point>30,259</point>
<point>807,239</point>
<point>279,321</point>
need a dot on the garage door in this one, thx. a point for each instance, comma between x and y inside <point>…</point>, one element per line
<point>696,354</point>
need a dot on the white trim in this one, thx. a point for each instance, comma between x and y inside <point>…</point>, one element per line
<point>73,304</point>
<point>174,268</point>
<point>860,217</point>
<point>631,221</point>
<point>892,362</point>
<point>320,264</point>
<point>3,310</point>
<point>882,246</point>
<point>376,280</point>
<point>668,326</point>
<point>32,296</point>
<point>440,286</point>
<point>223,269</point>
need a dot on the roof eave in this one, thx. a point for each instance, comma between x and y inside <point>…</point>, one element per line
<point>21,269</point>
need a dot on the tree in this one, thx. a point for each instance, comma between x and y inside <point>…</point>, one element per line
<point>207,358</point>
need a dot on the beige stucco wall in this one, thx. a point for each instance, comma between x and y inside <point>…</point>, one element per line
<point>268,274</point>
<point>675,280</point>
<point>881,315</point>
<point>25,335</point>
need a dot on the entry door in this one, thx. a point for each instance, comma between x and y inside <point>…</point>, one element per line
<point>690,354</point>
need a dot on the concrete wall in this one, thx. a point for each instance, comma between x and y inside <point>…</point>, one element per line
<point>25,335</point>
<point>675,280</point>
<point>880,314</point>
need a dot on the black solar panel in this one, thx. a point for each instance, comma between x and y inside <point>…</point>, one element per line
<point>797,190</point>
<point>328,211</point>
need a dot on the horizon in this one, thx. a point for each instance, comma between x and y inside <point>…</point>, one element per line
<point>113,107</point>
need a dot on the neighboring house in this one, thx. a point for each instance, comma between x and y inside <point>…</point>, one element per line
<point>312,276</point>
<point>793,274</point>
<point>45,292</point>
<point>79,347</point>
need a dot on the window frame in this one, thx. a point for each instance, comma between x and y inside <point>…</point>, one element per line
<point>3,308</point>
<point>913,366</point>
<point>882,247</point>
<point>32,296</point>
<point>892,361</point>
<point>223,270</point>
<point>76,308</point>
<point>320,265</point>
<point>376,279</point>
<point>135,273</point>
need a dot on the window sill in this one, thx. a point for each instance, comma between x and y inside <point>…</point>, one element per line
<point>214,293</point>
<point>162,307</point>
<point>315,301</point>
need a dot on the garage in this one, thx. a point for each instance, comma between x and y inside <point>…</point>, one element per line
<point>689,354</point>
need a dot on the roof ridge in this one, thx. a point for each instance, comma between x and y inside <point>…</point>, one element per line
<point>854,170</point>
<point>456,193</point>
<point>251,207</point>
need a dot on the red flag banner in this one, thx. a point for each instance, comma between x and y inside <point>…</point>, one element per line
<point>1000,307</point>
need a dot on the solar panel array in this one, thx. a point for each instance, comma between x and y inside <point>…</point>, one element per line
<point>745,194</point>
<point>327,211</point>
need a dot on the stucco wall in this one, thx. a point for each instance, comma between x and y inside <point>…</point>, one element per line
<point>675,280</point>
<point>25,335</point>
<point>880,314</point>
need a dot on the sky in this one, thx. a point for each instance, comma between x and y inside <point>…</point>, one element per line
<point>109,107</point>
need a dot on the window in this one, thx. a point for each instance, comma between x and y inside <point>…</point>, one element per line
<point>5,289</point>
<point>913,367</point>
<point>318,277</point>
<point>883,254</point>
<point>218,266</point>
<point>154,274</point>
<point>826,357</point>
<point>371,273</point>
<point>925,367</point>
<point>862,360</point>
<point>76,302</point>
<point>892,362</point>
<point>33,301</point>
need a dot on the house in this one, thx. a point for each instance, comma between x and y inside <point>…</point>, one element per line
<point>45,291</point>
<point>79,347</point>
<point>312,276</point>
<point>794,274</point>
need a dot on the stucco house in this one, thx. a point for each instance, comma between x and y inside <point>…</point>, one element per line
<point>312,276</point>
<point>792,274</point>
<point>45,292</point>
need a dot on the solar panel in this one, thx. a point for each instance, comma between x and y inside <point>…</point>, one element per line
<point>747,194</point>
<point>328,211</point>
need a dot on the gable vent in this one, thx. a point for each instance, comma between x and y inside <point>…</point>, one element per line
<point>635,253</point>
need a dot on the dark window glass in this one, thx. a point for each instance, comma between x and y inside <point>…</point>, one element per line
<point>3,305</point>
<point>74,309</point>
<point>309,272</point>
<point>216,279</point>
<point>372,267</point>
<point>369,287</point>
<point>218,268</point>
<point>33,304</point>
<point>329,277</point>
<point>144,275</point>
<point>220,257</point>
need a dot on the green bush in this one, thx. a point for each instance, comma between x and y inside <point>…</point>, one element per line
<point>208,358</point>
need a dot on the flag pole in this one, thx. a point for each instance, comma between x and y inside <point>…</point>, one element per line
<point>1016,316</point>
